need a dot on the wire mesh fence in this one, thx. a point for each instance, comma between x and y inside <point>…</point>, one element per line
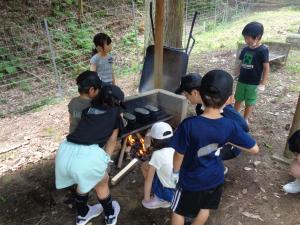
<point>40,61</point>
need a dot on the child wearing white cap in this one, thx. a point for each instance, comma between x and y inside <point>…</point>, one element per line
<point>157,171</point>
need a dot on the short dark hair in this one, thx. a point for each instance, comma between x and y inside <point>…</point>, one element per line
<point>216,87</point>
<point>253,29</point>
<point>101,39</point>
<point>160,143</point>
<point>86,80</point>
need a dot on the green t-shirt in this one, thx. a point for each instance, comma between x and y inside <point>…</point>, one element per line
<point>75,108</point>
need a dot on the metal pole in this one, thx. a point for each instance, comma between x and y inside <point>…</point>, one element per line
<point>186,21</point>
<point>58,80</point>
<point>135,34</point>
<point>216,13</point>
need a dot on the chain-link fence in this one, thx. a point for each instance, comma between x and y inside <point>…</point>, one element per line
<point>40,61</point>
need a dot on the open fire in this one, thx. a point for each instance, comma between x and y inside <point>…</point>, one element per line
<point>138,149</point>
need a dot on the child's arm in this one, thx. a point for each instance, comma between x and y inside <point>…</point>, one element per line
<point>237,68</point>
<point>253,150</point>
<point>265,75</point>
<point>148,183</point>
<point>92,67</point>
<point>177,161</point>
<point>111,143</point>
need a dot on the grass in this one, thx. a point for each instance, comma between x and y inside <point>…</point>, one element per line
<point>278,24</point>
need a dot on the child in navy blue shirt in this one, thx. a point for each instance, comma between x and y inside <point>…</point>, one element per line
<point>196,161</point>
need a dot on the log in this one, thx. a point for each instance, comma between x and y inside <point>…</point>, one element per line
<point>121,157</point>
<point>124,171</point>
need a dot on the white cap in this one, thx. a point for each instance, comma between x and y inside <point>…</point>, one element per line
<point>161,130</point>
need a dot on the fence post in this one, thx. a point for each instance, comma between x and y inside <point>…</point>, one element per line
<point>186,21</point>
<point>136,34</point>
<point>58,80</point>
<point>216,12</point>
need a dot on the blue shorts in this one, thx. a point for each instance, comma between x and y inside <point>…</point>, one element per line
<point>84,165</point>
<point>160,191</point>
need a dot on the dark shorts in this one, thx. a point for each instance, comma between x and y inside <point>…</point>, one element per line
<point>160,191</point>
<point>189,203</point>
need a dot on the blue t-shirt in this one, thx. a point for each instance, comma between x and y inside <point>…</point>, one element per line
<point>230,113</point>
<point>252,64</point>
<point>198,138</point>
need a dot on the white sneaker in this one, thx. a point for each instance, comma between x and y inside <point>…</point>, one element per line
<point>155,203</point>
<point>112,219</point>
<point>225,170</point>
<point>292,187</point>
<point>93,212</point>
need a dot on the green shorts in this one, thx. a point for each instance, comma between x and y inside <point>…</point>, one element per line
<point>246,92</point>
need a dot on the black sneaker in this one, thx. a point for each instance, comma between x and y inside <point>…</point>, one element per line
<point>112,219</point>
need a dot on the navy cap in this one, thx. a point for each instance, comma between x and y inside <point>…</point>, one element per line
<point>217,84</point>
<point>189,82</point>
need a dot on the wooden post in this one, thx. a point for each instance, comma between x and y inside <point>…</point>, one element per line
<point>80,11</point>
<point>295,126</point>
<point>159,42</point>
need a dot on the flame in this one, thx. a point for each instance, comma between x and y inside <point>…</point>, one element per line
<point>143,150</point>
<point>130,140</point>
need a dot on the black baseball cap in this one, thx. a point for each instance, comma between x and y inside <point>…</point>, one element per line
<point>115,91</point>
<point>189,82</point>
<point>217,84</point>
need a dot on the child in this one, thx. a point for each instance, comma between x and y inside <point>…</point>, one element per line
<point>101,62</point>
<point>253,68</point>
<point>89,85</point>
<point>157,171</point>
<point>190,87</point>
<point>81,159</point>
<point>294,145</point>
<point>196,142</point>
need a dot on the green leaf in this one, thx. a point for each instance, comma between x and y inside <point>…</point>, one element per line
<point>11,69</point>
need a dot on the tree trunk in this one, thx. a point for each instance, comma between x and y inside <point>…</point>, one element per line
<point>173,28</point>
<point>295,126</point>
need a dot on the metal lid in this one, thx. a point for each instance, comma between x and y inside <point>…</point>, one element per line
<point>151,108</point>
<point>129,116</point>
<point>142,111</point>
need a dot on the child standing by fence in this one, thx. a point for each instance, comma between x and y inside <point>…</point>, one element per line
<point>101,62</point>
<point>82,160</point>
<point>196,142</point>
<point>253,69</point>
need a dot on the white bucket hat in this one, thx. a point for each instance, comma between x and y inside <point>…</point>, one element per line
<point>161,130</point>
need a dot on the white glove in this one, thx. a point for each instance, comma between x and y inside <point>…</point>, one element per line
<point>175,177</point>
<point>261,87</point>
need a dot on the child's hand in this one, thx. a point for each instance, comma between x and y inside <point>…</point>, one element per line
<point>261,87</point>
<point>175,177</point>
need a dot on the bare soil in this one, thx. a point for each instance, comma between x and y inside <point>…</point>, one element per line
<point>252,194</point>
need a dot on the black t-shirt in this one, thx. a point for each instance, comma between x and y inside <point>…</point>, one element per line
<point>252,64</point>
<point>96,125</point>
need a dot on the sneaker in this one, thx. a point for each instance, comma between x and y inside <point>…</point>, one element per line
<point>93,212</point>
<point>292,187</point>
<point>225,170</point>
<point>155,203</point>
<point>112,219</point>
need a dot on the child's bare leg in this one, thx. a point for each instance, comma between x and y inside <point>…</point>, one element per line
<point>248,110</point>
<point>201,217</point>
<point>102,188</point>
<point>177,219</point>
<point>237,106</point>
<point>145,168</point>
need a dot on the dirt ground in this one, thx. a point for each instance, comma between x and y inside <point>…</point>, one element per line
<point>252,195</point>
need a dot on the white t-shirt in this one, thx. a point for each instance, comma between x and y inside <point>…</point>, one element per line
<point>162,161</point>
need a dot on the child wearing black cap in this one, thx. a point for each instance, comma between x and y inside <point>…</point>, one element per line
<point>82,160</point>
<point>190,87</point>
<point>196,164</point>
<point>294,145</point>
<point>89,85</point>
<point>253,69</point>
